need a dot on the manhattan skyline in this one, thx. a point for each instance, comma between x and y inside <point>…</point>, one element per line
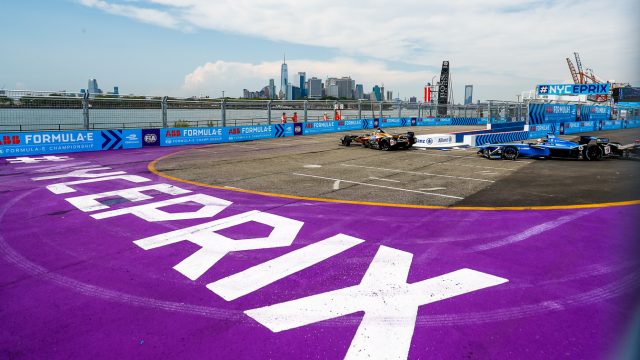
<point>189,47</point>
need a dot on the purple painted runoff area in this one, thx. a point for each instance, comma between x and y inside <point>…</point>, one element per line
<point>72,286</point>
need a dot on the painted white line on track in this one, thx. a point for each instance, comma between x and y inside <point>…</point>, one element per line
<point>465,156</point>
<point>418,173</point>
<point>379,186</point>
<point>533,231</point>
<point>476,166</point>
<point>434,188</point>
<point>389,180</point>
<point>336,185</point>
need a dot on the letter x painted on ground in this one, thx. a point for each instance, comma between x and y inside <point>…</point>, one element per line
<point>390,304</point>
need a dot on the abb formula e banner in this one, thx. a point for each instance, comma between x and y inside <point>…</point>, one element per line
<point>53,142</point>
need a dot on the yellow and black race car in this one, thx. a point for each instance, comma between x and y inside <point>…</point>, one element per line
<point>381,140</point>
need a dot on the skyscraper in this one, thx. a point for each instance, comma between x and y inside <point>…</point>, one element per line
<point>284,79</point>
<point>302,77</point>
<point>315,88</point>
<point>377,94</point>
<point>468,94</point>
<point>272,89</point>
<point>359,91</point>
<point>92,87</point>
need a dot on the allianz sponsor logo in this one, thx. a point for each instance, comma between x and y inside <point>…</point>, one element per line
<point>58,138</point>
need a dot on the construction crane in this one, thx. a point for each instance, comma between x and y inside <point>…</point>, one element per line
<point>574,74</point>
<point>585,76</point>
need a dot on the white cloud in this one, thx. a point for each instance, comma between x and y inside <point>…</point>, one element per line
<point>518,42</point>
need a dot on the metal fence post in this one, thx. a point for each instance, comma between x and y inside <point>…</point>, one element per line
<point>165,123</point>
<point>359,108</point>
<point>306,106</point>
<point>269,112</point>
<point>85,110</point>
<point>223,112</point>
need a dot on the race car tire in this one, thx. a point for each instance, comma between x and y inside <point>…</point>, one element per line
<point>487,153</point>
<point>383,145</point>
<point>412,138</point>
<point>510,153</point>
<point>346,140</point>
<point>592,152</point>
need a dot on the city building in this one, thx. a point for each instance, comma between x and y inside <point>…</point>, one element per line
<point>389,95</point>
<point>284,81</point>
<point>289,93</point>
<point>93,88</point>
<point>331,87</point>
<point>359,92</point>
<point>302,78</point>
<point>376,93</point>
<point>296,93</point>
<point>413,100</point>
<point>468,94</point>
<point>315,88</point>
<point>272,89</point>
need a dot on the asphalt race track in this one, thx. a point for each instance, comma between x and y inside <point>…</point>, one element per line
<point>299,248</point>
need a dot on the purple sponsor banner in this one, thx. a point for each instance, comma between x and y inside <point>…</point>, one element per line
<point>84,277</point>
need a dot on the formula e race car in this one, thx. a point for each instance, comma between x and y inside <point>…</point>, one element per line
<point>585,147</point>
<point>381,140</point>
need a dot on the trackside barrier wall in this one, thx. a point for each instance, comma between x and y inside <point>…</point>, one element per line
<point>498,138</point>
<point>42,143</point>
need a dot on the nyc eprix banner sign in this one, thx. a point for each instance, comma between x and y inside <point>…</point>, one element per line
<point>574,89</point>
<point>35,143</point>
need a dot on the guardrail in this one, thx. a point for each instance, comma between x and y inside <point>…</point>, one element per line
<point>13,144</point>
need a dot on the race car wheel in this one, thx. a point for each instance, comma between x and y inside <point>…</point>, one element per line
<point>383,145</point>
<point>346,140</point>
<point>486,153</point>
<point>412,138</point>
<point>510,153</point>
<point>592,152</point>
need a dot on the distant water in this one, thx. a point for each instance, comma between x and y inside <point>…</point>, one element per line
<point>69,119</point>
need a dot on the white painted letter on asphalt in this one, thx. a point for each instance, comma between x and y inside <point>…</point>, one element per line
<point>208,206</point>
<point>259,276</point>
<point>389,303</point>
<point>89,202</point>
<point>216,246</point>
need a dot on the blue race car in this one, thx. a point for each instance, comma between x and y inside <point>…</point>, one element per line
<point>587,148</point>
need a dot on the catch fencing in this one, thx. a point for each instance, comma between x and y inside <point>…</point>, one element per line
<point>39,111</point>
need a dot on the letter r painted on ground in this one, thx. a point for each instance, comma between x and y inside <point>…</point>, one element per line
<point>390,304</point>
<point>88,203</point>
<point>207,206</point>
<point>259,276</point>
<point>215,246</point>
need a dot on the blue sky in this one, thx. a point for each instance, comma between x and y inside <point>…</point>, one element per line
<point>193,47</point>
